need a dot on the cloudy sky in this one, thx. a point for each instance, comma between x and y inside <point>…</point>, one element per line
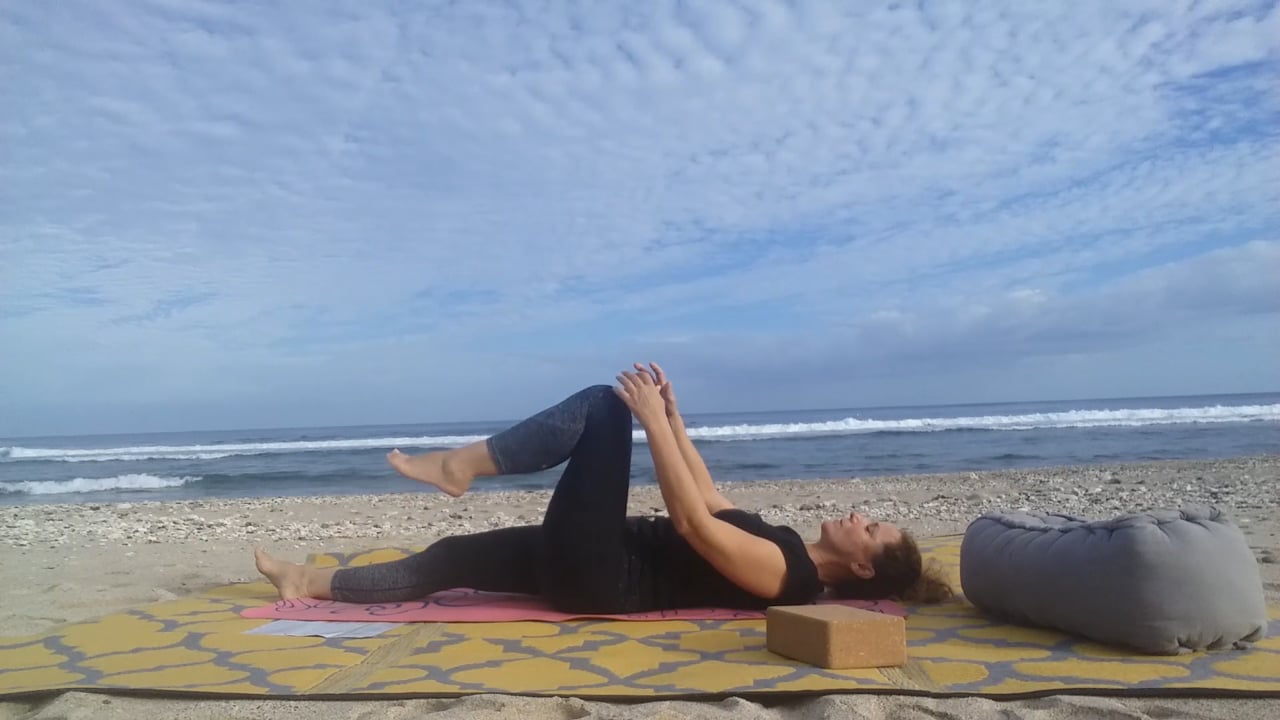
<point>229,215</point>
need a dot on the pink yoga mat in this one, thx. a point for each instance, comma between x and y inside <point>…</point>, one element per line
<point>466,605</point>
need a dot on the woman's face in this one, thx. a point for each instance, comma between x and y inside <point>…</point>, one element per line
<point>859,540</point>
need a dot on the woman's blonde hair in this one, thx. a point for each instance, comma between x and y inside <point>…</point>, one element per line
<point>900,573</point>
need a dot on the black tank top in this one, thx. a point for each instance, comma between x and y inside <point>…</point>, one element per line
<point>666,572</point>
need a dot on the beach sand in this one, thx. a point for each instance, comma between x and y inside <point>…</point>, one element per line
<point>66,563</point>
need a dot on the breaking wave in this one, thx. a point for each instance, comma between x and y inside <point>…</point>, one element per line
<point>723,433</point>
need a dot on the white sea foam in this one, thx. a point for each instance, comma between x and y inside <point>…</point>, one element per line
<point>723,433</point>
<point>136,481</point>
<point>1066,419</point>
<point>143,456</point>
<point>211,452</point>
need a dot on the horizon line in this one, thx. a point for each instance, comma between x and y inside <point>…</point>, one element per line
<point>718,412</point>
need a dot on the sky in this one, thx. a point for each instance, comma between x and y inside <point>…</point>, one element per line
<point>224,215</point>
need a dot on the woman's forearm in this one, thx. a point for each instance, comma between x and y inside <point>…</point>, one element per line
<point>680,492</point>
<point>692,458</point>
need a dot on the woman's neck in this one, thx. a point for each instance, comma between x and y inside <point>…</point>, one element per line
<point>831,569</point>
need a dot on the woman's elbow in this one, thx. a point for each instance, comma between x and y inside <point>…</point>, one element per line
<point>683,527</point>
<point>691,524</point>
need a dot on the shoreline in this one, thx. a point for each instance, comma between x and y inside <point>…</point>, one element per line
<point>1245,487</point>
<point>75,561</point>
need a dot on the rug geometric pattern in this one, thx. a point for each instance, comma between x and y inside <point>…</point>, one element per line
<point>197,646</point>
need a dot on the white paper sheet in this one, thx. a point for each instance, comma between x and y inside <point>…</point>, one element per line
<point>321,628</point>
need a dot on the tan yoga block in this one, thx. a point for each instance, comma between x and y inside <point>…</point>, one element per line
<point>836,636</point>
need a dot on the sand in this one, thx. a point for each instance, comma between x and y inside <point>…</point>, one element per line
<point>72,562</point>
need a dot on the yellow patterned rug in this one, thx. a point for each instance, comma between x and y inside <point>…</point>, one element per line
<point>197,646</point>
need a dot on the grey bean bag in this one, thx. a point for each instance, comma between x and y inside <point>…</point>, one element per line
<point>1161,583</point>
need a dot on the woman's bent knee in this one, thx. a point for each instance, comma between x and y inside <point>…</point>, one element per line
<point>603,398</point>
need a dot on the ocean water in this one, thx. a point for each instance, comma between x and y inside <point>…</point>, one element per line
<point>742,446</point>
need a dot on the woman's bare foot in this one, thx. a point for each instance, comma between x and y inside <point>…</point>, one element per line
<point>289,578</point>
<point>434,468</point>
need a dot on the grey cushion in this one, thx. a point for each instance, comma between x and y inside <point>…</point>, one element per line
<point>1162,583</point>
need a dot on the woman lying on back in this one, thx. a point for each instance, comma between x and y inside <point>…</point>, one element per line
<point>588,556</point>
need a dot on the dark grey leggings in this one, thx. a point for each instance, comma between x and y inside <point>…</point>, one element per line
<point>577,558</point>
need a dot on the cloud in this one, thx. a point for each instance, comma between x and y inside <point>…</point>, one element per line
<point>207,205</point>
<point>1169,299</point>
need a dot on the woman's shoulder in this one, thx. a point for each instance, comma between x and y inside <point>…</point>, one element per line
<point>744,519</point>
<point>755,524</point>
<point>802,584</point>
<point>734,512</point>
